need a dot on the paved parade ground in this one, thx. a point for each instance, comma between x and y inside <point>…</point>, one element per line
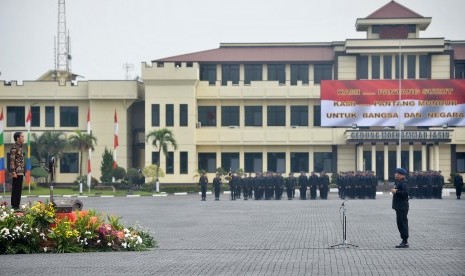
<point>268,238</point>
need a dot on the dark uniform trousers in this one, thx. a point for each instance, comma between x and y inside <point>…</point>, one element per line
<point>17,187</point>
<point>402,223</point>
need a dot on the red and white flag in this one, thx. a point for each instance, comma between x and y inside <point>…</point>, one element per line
<point>115,141</point>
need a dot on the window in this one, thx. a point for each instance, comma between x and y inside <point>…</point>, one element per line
<point>322,72</point>
<point>299,115</point>
<point>387,66</point>
<point>229,72</point>
<point>276,162</point>
<point>229,116</point>
<point>155,157</point>
<point>189,64</point>
<point>230,161</point>
<point>15,116</point>
<point>207,162</point>
<point>69,116</point>
<point>411,64</point>
<point>252,72</point>
<point>276,72</point>
<point>49,116</point>
<point>460,70</point>
<point>170,163</point>
<point>460,161</point>
<point>208,73</point>
<point>375,67</point>
<point>299,72</point>
<point>276,116</point>
<point>299,161</point>
<point>401,69</point>
<point>35,112</point>
<point>375,29</point>
<point>362,67</point>
<point>155,115</point>
<point>424,66</point>
<point>69,163</point>
<point>317,115</point>
<point>253,116</point>
<point>411,28</point>
<point>183,121</point>
<point>183,161</point>
<point>169,112</point>
<point>323,161</point>
<point>253,162</point>
<point>207,115</point>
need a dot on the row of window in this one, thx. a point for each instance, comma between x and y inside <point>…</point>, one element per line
<point>387,62</point>
<point>253,115</point>
<point>253,161</point>
<point>169,115</point>
<point>275,72</point>
<point>16,116</point>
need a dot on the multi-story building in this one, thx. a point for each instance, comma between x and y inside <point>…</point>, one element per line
<point>258,106</point>
<point>63,106</point>
<point>272,106</point>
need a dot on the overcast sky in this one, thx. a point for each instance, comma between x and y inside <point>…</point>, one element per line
<point>105,34</point>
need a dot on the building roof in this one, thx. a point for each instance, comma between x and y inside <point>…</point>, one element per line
<point>459,51</point>
<point>260,53</point>
<point>393,10</point>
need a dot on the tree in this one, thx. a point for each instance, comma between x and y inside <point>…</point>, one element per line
<point>161,140</point>
<point>49,144</point>
<point>83,142</point>
<point>118,173</point>
<point>106,167</point>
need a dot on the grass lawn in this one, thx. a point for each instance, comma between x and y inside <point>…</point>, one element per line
<point>68,191</point>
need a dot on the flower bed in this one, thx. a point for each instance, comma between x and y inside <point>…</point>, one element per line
<point>38,229</point>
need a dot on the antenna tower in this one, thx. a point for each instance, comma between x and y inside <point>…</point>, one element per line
<point>63,56</point>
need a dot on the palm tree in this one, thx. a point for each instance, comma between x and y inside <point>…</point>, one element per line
<point>83,142</point>
<point>161,139</point>
<point>49,144</point>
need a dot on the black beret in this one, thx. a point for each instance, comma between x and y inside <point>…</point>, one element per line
<point>401,171</point>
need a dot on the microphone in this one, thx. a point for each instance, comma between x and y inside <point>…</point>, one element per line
<point>343,203</point>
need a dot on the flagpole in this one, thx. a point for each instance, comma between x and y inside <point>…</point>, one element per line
<point>28,159</point>
<point>399,150</point>
<point>115,144</point>
<point>89,155</point>
<point>2,155</point>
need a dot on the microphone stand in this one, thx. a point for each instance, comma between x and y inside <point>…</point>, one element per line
<point>344,243</point>
<point>51,169</point>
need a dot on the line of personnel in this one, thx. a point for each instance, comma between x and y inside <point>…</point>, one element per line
<point>357,184</point>
<point>425,184</point>
<point>269,185</point>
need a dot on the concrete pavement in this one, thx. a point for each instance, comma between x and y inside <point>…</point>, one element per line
<point>268,238</point>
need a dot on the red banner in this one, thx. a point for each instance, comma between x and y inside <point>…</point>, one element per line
<point>377,102</point>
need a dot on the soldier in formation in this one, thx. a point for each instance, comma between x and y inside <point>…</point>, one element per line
<point>357,185</point>
<point>427,184</point>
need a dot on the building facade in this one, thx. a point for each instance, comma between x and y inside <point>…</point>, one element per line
<point>270,106</point>
<point>259,106</point>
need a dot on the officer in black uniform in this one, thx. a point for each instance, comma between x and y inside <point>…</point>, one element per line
<point>313,182</point>
<point>458,184</point>
<point>217,186</point>
<point>290,186</point>
<point>303,182</point>
<point>203,181</point>
<point>400,204</point>
<point>324,185</point>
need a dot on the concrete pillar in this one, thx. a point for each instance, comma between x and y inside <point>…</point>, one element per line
<point>386,163</point>
<point>431,158</point>
<point>436,157</point>
<point>399,156</point>
<point>360,157</point>
<point>410,157</point>
<point>373,157</point>
<point>423,157</point>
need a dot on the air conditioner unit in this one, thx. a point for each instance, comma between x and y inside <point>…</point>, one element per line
<point>294,126</point>
<point>198,125</point>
